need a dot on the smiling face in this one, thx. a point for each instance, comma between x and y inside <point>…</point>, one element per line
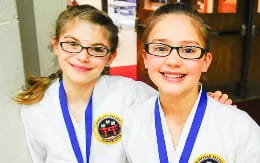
<point>81,67</point>
<point>173,74</point>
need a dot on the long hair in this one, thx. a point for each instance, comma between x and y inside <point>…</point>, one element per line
<point>35,87</point>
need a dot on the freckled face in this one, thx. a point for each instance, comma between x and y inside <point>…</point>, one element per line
<point>81,67</point>
<point>172,74</point>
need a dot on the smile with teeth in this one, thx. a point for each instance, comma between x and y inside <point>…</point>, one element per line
<point>167,75</point>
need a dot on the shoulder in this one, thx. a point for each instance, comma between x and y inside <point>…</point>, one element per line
<point>145,106</point>
<point>228,112</point>
<point>40,118</point>
<point>50,93</point>
<point>138,122</point>
<point>35,110</point>
<point>231,118</point>
<point>125,85</point>
<point>238,127</point>
<point>141,112</point>
<point>122,81</point>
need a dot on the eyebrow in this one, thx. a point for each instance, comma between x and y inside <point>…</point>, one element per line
<point>71,37</point>
<point>181,42</point>
<point>190,42</point>
<point>160,40</point>
<point>100,44</point>
<point>94,44</point>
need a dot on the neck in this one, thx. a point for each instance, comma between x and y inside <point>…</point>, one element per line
<point>178,106</point>
<point>77,92</point>
<point>78,95</point>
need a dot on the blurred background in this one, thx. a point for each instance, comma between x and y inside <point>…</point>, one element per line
<point>26,27</point>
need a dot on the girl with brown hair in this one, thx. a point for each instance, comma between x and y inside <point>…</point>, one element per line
<point>183,124</point>
<point>76,114</point>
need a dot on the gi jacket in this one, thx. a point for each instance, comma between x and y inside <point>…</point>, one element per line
<point>46,133</point>
<point>226,135</point>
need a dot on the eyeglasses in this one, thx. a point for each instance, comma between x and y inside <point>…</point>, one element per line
<point>72,47</point>
<point>185,52</point>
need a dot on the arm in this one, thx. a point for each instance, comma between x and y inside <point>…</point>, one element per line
<point>37,153</point>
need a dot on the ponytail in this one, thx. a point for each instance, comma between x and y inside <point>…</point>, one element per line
<point>35,89</point>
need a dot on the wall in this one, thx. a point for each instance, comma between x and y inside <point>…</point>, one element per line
<point>96,3</point>
<point>46,12</point>
<point>25,31</point>
<point>12,145</point>
<point>26,16</point>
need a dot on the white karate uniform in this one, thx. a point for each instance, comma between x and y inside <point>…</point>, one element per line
<point>45,129</point>
<point>226,133</point>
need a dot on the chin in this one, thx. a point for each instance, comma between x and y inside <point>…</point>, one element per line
<point>82,79</point>
<point>175,90</point>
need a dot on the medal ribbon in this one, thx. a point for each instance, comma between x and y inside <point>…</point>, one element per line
<point>194,130</point>
<point>70,128</point>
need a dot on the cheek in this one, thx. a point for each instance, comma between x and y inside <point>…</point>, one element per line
<point>99,61</point>
<point>62,55</point>
<point>65,57</point>
<point>64,60</point>
<point>195,68</point>
<point>154,63</point>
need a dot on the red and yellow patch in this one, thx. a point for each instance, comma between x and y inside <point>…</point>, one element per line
<point>108,128</point>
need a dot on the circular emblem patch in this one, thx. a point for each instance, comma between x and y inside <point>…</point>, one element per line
<point>209,158</point>
<point>107,128</point>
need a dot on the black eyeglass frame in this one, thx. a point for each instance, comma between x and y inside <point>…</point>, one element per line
<point>146,47</point>
<point>84,47</point>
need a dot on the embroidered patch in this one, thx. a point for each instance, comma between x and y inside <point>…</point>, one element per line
<point>209,158</point>
<point>107,128</point>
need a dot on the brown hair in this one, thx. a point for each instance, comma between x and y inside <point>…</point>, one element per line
<point>91,14</point>
<point>177,8</point>
<point>34,91</point>
<point>36,86</point>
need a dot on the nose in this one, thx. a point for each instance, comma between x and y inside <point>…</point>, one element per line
<point>173,58</point>
<point>83,55</point>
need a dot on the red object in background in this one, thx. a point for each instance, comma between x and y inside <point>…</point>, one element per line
<point>226,7</point>
<point>74,3</point>
<point>126,71</point>
<point>203,6</point>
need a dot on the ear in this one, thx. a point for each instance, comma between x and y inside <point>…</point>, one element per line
<point>207,62</point>
<point>54,45</point>
<point>144,55</point>
<point>111,58</point>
